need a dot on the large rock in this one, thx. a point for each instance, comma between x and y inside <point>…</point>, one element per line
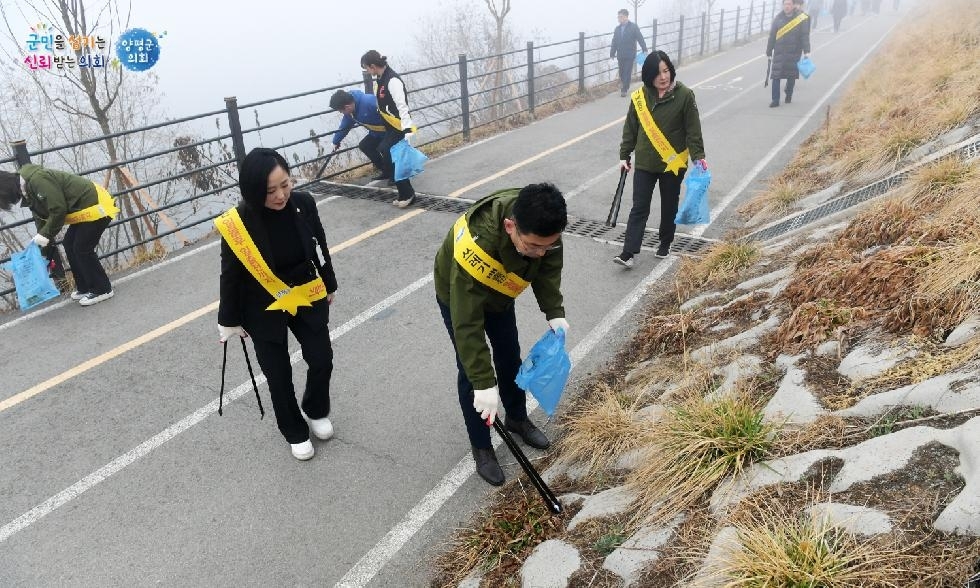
<point>793,404</point>
<point>867,361</point>
<point>640,550</point>
<point>607,503</point>
<point>551,565</point>
<point>857,520</point>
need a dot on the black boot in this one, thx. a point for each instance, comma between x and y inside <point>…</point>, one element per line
<point>487,466</point>
<point>529,433</point>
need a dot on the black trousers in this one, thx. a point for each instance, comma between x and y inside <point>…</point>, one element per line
<point>80,242</point>
<point>273,357</point>
<point>405,189</point>
<point>501,330</point>
<point>670,191</point>
<point>626,72</point>
<point>369,146</point>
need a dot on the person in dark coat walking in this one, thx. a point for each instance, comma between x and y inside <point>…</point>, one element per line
<point>624,41</point>
<point>789,38</point>
<point>839,11</point>
<point>272,282</point>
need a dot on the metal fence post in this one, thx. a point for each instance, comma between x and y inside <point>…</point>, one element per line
<point>721,28</point>
<point>581,62</point>
<point>738,16</point>
<point>464,96</point>
<point>235,126</point>
<point>748,23</point>
<point>530,76</point>
<point>680,41</point>
<point>704,31</point>
<point>368,82</point>
<point>653,36</point>
<point>762,17</point>
<point>20,152</point>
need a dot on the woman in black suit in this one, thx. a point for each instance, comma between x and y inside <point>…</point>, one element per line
<point>272,280</point>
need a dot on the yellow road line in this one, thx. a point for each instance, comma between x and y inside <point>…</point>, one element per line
<point>164,329</point>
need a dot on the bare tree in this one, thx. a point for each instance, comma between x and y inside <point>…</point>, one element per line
<point>636,10</point>
<point>499,13</point>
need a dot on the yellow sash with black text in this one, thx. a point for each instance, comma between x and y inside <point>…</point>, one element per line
<point>483,268</point>
<point>288,299</point>
<point>786,28</point>
<point>106,207</point>
<point>394,121</point>
<point>674,160</point>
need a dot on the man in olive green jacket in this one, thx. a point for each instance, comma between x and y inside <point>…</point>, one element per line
<point>53,197</point>
<point>505,242</point>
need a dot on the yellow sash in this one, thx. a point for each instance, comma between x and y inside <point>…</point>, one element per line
<point>675,161</point>
<point>233,231</point>
<point>106,207</point>
<point>484,269</point>
<point>791,25</point>
<point>377,128</point>
<point>394,121</point>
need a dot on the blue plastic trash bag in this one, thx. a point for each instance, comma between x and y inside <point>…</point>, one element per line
<point>31,280</point>
<point>545,370</point>
<point>640,58</point>
<point>806,67</point>
<point>694,208</point>
<point>408,160</point>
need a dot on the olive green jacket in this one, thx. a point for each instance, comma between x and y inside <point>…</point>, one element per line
<point>52,194</point>
<point>468,299</point>
<point>677,116</point>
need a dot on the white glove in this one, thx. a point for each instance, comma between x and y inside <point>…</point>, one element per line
<point>485,403</point>
<point>624,164</point>
<point>224,333</point>
<point>558,323</point>
<point>408,137</point>
<point>41,240</point>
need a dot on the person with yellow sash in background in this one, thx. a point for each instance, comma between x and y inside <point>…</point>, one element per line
<point>663,130</point>
<point>360,108</point>
<point>504,243</point>
<point>56,199</point>
<point>272,281</point>
<point>392,97</point>
<point>789,38</point>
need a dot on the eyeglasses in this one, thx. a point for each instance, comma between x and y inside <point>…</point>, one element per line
<point>536,248</point>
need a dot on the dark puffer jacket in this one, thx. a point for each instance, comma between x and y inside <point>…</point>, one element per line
<point>787,51</point>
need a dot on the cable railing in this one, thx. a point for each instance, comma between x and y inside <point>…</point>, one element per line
<point>168,194</point>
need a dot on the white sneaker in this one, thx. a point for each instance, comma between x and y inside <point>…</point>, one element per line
<point>302,451</point>
<point>90,299</point>
<point>322,428</point>
<point>404,203</point>
<point>76,295</point>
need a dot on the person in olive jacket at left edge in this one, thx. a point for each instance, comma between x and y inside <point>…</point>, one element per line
<point>286,231</point>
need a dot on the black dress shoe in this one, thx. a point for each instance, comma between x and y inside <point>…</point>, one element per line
<point>529,433</point>
<point>487,466</point>
<point>789,98</point>
<point>773,104</point>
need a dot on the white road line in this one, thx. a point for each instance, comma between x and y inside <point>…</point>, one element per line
<point>374,560</point>
<point>88,482</point>
<point>128,277</point>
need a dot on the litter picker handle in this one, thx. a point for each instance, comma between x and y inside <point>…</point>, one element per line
<point>617,198</point>
<point>550,501</point>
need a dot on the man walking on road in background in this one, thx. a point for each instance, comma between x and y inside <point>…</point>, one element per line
<point>624,41</point>
<point>360,108</point>
<point>504,243</point>
<point>789,37</point>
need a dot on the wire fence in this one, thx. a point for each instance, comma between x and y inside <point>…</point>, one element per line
<point>172,178</point>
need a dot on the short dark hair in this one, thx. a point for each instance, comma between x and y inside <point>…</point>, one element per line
<point>10,193</point>
<point>374,58</point>
<point>651,67</point>
<point>623,12</point>
<point>340,99</point>
<point>253,179</point>
<point>540,210</point>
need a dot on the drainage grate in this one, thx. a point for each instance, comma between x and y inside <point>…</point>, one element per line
<point>576,226</point>
<point>858,196</point>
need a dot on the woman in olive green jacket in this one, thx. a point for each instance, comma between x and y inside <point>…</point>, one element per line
<point>662,130</point>
<point>55,199</point>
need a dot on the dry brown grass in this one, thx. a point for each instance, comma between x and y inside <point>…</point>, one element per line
<point>721,265</point>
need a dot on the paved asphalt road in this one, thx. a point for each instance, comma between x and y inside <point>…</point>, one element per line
<point>115,469</point>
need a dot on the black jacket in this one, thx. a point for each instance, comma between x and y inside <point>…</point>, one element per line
<point>787,51</point>
<point>624,41</point>
<point>243,301</point>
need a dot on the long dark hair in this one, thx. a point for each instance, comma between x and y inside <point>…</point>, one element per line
<point>9,190</point>
<point>253,179</point>
<point>374,58</point>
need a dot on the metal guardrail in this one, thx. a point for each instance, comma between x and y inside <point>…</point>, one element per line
<point>195,178</point>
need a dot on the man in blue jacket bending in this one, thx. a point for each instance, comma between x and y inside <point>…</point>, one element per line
<point>358,107</point>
